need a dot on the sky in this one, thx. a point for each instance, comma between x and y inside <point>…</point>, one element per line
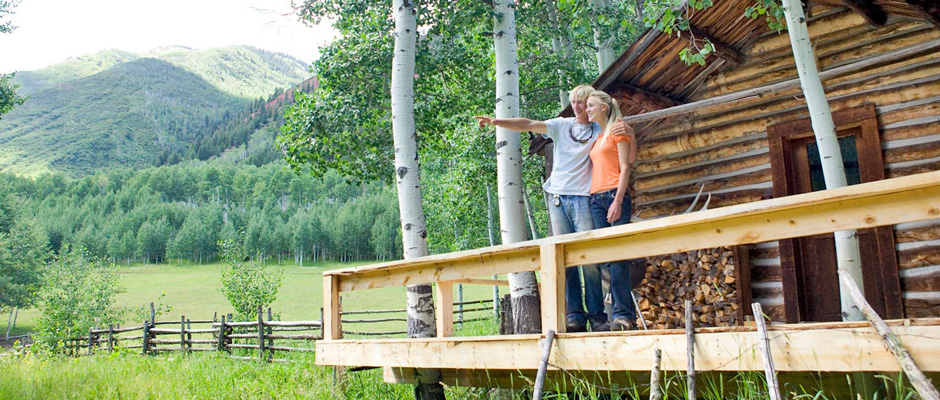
<point>51,31</point>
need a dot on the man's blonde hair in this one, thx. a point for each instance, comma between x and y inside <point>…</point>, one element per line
<point>580,93</point>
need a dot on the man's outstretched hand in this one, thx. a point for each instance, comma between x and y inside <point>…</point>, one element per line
<point>483,121</point>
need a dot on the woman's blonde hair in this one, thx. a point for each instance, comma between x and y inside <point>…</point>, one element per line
<point>613,108</point>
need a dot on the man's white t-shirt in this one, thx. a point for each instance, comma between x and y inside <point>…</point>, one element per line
<point>571,163</point>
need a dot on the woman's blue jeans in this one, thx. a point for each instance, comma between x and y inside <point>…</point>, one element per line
<point>573,214</point>
<point>620,284</point>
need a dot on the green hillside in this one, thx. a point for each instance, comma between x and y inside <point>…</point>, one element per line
<point>240,71</point>
<point>114,109</point>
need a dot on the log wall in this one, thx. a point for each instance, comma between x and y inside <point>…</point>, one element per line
<point>725,147</point>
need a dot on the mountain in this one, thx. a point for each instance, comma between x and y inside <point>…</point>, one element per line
<point>115,109</point>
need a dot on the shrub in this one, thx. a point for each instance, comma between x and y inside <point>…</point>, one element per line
<point>78,293</point>
<point>247,285</point>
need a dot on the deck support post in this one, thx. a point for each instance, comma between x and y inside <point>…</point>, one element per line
<point>332,326</point>
<point>552,271</point>
<point>773,387</point>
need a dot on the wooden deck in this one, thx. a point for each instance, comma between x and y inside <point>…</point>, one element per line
<point>801,347</point>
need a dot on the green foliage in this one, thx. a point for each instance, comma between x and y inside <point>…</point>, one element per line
<point>22,253</point>
<point>247,285</point>
<point>9,98</point>
<point>673,16</point>
<point>78,293</point>
<point>6,8</point>
<point>773,12</point>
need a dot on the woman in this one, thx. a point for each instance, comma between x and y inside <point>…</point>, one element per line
<point>611,205</point>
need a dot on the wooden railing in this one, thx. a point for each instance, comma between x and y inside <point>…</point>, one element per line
<point>886,202</point>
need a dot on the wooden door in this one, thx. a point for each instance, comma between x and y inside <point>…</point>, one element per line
<point>810,280</point>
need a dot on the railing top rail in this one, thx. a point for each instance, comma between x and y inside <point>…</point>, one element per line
<point>504,259</point>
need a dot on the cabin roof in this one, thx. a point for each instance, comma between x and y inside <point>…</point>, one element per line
<point>651,72</point>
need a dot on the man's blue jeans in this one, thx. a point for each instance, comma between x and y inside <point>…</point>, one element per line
<point>573,214</point>
<point>620,284</point>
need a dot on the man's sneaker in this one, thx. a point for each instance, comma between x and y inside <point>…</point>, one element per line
<point>622,324</point>
<point>599,327</point>
<point>572,326</point>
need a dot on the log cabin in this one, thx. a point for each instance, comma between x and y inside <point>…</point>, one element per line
<point>738,129</point>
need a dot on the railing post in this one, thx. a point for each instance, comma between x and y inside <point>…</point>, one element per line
<point>332,326</point>
<point>189,336</point>
<point>552,271</point>
<point>182,333</point>
<point>445,308</point>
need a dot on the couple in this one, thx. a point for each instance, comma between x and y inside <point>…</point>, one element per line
<point>583,198</point>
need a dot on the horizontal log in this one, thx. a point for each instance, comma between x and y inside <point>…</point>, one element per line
<point>819,348</point>
<point>292,349</point>
<point>919,257</point>
<point>202,341</point>
<point>918,234</point>
<point>158,331</point>
<point>397,310</point>
<point>207,330</point>
<point>241,346</point>
<point>311,324</point>
<point>128,329</point>
<point>294,337</point>
<point>789,84</point>
<point>374,320</point>
<point>242,336</point>
<point>469,302</point>
<point>164,341</point>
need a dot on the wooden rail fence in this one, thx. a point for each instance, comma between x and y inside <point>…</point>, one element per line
<point>266,336</point>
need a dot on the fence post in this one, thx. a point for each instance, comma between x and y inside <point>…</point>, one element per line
<point>260,332</point>
<point>110,338</point>
<point>189,336</point>
<point>146,342</point>
<point>91,340</point>
<point>270,331</point>
<point>182,333</point>
<point>221,344</point>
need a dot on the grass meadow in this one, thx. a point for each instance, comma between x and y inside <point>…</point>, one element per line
<point>194,291</point>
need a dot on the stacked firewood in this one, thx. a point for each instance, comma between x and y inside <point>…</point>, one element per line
<point>704,276</point>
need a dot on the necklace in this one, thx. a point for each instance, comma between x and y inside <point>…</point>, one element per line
<point>582,141</point>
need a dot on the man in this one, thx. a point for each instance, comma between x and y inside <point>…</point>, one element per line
<point>569,204</point>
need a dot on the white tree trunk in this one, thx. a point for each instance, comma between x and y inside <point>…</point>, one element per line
<point>562,47</point>
<point>847,252</point>
<point>603,39</point>
<point>414,234</point>
<point>523,286</point>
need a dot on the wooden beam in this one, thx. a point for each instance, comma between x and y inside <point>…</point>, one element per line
<point>485,282</point>
<point>629,95</point>
<point>722,49</point>
<point>871,12</point>
<point>489,261</point>
<point>890,56</point>
<point>929,9</point>
<point>444,307</point>
<point>867,205</point>
<point>810,347</point>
